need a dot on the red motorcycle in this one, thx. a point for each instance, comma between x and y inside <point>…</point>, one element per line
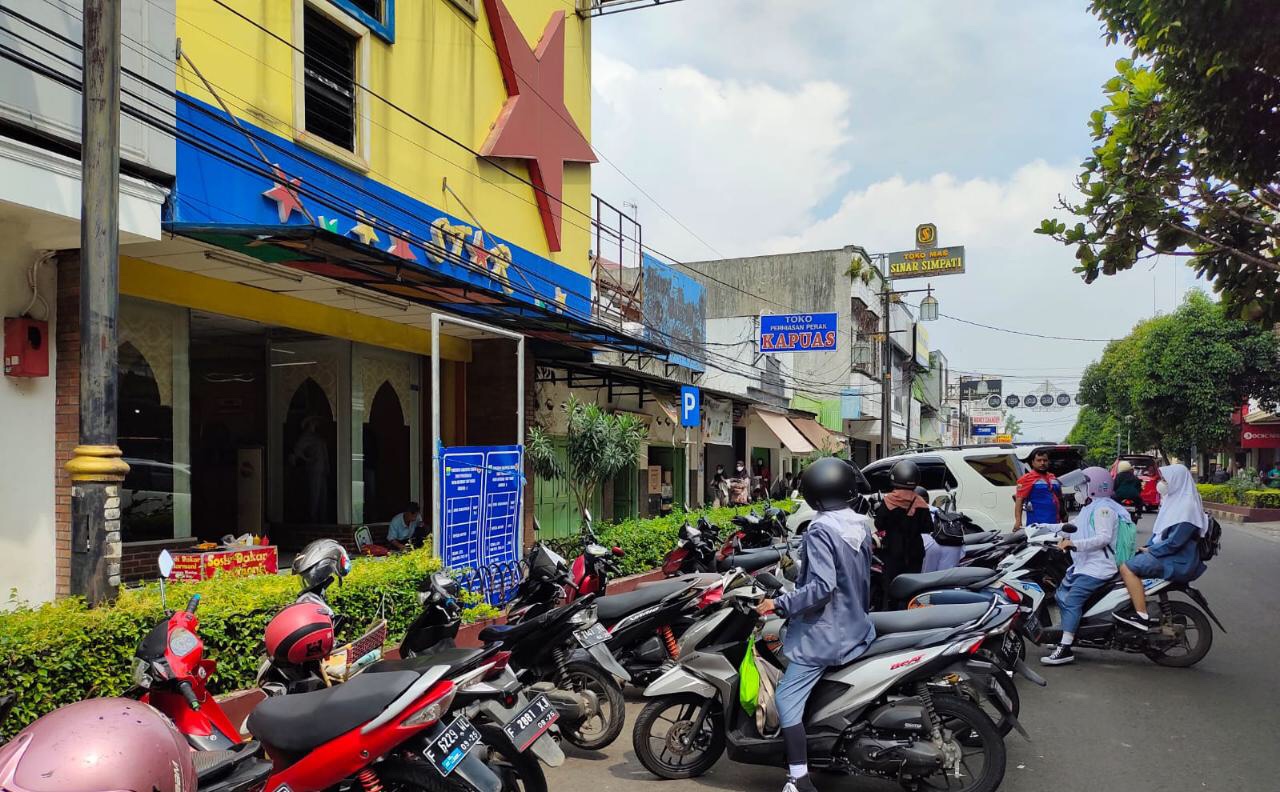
<point>377,729</point>
<point>545,584</point>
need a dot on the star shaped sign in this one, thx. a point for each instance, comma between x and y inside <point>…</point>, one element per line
<point>534,124</point>
<point>285,193</point>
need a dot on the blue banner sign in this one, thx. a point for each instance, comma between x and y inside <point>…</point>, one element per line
<point>480,499</point>
<point>814,332</point>
<point>984,431</point>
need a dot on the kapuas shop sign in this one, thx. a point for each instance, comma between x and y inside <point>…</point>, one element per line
<point>813,332</point>
<point>926,263</point>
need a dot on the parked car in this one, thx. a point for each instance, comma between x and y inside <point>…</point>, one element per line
<point>1063,461</point>
<point>983,478</point>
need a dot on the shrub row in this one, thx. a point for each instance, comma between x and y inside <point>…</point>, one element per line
<point>1225,493</point>
<point>63,651</point>
<point>647,541</point>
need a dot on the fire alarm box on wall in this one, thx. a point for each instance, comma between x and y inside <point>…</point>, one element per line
<point>26,347</point>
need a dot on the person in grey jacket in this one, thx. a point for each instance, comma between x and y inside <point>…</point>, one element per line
<point>827,613</point>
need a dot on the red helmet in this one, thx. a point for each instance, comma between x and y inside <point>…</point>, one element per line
<point>99,745</point>
<point>300,633</point>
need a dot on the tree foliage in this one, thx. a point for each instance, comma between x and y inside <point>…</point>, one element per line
<point>1180,377</point>
<point>1012,425</point>
<point>1096,431</point>
<point>599,445</point>
<point>1186,155</point>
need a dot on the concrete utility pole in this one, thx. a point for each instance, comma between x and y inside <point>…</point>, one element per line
<point>96,467</point>
<point>886,373</point>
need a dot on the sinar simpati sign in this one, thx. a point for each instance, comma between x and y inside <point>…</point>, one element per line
<point>926,263</point>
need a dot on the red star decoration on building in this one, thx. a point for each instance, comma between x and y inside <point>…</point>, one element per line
<point>534,124</point>
<point>284,194</point>
<point>400,247</point>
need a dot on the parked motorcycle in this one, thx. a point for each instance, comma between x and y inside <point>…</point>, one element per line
<point>877,716</point>
<point>695,552</point>
<point>550,581</point>
<point>543,654</point>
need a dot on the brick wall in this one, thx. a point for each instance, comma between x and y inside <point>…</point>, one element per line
<point>138,561</point>
<point>67,415</point>
<point>491,401</point>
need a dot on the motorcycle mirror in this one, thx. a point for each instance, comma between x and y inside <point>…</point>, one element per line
<point>586,515</point>
<point>1068,528</point>
<point>618,552</point>
<point>165,562</point>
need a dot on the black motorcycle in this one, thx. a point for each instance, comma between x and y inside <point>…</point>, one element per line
<point>695,552</point>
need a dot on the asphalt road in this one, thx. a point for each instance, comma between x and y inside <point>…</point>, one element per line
<point>1109,722</point>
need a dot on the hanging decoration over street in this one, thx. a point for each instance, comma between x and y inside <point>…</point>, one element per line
<point>534,124</point>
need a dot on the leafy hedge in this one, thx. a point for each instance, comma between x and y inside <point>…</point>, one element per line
<point>63,651</point>
<point>647,541</point>
<point>1225,493</point>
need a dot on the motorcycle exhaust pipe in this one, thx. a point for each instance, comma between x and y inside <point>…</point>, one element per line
<point>1029,675</point>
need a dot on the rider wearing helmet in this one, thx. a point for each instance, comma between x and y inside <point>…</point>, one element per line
<point>905,519</point>
<point>320,563</point>
<point>944,547</point>
<point>827,616</point>
<point>98,744</point>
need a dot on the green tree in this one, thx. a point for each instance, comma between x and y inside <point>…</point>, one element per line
<point>1096,431</point>
<point>1012,426</point>
<point>1180,377</point>
<point>599,445</point>
<point>1186,155</point>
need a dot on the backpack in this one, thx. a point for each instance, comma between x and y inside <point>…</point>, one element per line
<point>1209,544</point>
<point>1125,544</point>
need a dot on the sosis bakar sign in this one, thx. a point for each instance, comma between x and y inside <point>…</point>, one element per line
<point>192,565</point>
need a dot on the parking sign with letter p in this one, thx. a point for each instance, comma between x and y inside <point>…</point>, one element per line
<point>690,406</point>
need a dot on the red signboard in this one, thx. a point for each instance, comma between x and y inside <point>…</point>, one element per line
<point>193,565</point>
<point>1259,435</point>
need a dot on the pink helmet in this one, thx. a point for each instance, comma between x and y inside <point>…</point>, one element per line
<point>99,745</point>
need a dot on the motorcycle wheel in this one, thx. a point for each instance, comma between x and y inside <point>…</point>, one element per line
<point>520,772</point>
<point>1004,723</point>
<point>659,731</point>
<point>976,737</point>
<point>1195,625</point>
<point>601,730</point>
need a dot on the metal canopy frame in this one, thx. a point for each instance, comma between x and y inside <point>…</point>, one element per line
<point>437,493</point>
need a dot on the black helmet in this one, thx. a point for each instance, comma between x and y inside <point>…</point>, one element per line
<point>905,475</point>
<point>923,493</point>
<point>829,484</point>
<point>320,563</point>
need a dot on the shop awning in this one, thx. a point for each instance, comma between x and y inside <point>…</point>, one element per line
<point>817,434</point>
<point>1261,417</point>
<point>787,434</point>
<point>321,252</point>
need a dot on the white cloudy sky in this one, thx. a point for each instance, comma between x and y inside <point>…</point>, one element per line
<point>766,126</point>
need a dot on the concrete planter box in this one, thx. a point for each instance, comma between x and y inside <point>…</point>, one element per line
<point>1227,511</point>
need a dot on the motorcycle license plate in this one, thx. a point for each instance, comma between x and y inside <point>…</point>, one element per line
<point>595,634</point>
<point>1031,627</point>
<point>532,722</point>
<point>1010,647</point>
<point>451,747</point>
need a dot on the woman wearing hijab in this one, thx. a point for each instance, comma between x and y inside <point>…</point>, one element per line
<point>905,519</point>
<point>1093,556</point>
<point>1173,552</point>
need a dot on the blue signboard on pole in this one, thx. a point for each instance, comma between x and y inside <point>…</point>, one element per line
<point>480,499</point>
<point>811,332</point>
<point>984,431</point>
<point>690,406</point>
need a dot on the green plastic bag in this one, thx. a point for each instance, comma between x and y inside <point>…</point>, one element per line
<point>749,679</point>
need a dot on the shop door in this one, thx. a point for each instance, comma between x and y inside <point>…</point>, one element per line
<point>624,494</point>
<point>554,505</point>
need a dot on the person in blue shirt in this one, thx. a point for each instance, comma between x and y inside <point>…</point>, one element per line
<point>827,613</point>
<point>404,527</point>
<point>1038,493</point>
<point>1173,553</point>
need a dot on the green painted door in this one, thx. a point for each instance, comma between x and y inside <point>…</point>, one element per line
<point>554,506</point>
<point>624,494</point>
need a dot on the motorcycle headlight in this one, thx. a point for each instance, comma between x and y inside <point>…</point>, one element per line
<point>142,673</point>
<point>583,618</point>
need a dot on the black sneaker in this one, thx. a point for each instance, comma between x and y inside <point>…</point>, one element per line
<point>1132,619</point>
<point>802,784</point>
<point>1061,655</point>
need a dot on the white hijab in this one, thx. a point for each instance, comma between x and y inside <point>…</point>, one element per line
<point>1180,503</point>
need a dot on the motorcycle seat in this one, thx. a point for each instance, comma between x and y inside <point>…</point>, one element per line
<point>904,587</point>
<point>455,658</point>
<point>495,633</point>
<point>981,537</point>
<point>751,561</point>
<point>1015,537</point>
<point>696,579</point>
<point>614,606</point>
<point>930,618</point>
<point>300,722</point>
